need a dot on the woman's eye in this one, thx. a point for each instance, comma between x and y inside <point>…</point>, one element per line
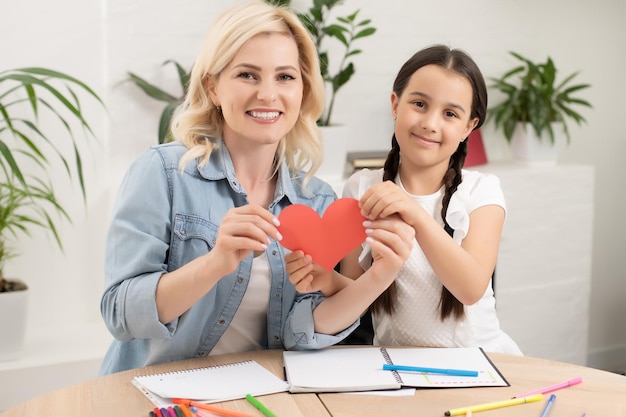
<point>246,75</point>
<point>419,104</point>
<point>286,77</point>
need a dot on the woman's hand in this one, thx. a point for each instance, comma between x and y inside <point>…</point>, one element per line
<point>243,229</point>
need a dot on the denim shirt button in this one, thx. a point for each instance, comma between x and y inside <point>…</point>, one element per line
<point>183,232</point>
<point>274,252</point>
<point>277,295</point>
<point>222,321</point>
<point>200,353</point>
<point>276,338</point>
<point>239,280</point>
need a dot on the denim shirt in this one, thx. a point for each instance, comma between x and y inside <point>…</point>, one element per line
<point>164,219</point>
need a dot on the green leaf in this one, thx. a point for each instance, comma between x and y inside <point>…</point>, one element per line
<point>364,33</point>
<point>150,89</point>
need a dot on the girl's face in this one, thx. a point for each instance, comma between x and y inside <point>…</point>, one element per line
<point>260,91</point>
<point>432,117</point>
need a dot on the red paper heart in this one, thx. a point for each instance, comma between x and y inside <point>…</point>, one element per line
<point>327,239</point>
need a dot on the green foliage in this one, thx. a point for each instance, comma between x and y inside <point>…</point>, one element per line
<point>27,200</point>
<point>532,96</point>
<point>172,101</point>
<point>345,30</point>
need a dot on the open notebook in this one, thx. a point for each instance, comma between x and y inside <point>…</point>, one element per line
<point>211,384</point>
<point>361,369</point>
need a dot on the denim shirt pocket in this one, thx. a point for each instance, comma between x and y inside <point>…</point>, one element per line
<point>193,236</point>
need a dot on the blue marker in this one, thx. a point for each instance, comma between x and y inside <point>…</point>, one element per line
<point>546,410</point>
<point>453,372</point>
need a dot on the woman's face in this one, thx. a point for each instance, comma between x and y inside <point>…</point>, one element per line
<point>432,116</point>
<point>260,91</point>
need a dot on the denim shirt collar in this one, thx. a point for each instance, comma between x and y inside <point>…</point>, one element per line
<point>220,166</point>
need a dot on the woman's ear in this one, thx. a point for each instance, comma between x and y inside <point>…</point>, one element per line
<point>210,85</point>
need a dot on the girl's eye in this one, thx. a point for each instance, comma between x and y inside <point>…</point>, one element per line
<point>450,114</point>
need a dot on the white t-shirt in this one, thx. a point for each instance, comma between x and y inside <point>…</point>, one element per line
<point>416,319</point>
<point>248,329</point>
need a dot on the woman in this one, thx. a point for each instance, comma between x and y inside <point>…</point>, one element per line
<point>192,265</point>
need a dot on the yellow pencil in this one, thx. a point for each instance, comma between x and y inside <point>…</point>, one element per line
<point>496,404</point>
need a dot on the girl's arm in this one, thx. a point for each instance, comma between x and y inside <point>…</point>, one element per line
<point>464,270</point>
<point>391,241</point>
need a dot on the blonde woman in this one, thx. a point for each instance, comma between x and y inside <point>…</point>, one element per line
<point>193,266</point>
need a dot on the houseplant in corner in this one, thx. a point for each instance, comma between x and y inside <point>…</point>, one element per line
<point>28,153</point>
<point>535,111</point>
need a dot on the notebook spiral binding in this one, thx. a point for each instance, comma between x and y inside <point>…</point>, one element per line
<point>186,371</point>
<point>388,361</point>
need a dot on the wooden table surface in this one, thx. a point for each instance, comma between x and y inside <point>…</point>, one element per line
<point>600,394</point>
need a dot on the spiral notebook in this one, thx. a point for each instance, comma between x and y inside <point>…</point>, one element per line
<point>361,369</point>
<point>211,384</point>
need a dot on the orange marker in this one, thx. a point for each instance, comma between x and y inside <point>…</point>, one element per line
<point>212,408</point>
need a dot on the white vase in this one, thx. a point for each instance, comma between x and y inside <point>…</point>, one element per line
<point>335,145</point>
<point>527,147</point>
<point>13,323</point>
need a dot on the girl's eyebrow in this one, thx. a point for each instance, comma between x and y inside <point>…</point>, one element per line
<point>426,96</point>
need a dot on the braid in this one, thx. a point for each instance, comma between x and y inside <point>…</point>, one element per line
<point>449,305</point>
<point>384,302</point>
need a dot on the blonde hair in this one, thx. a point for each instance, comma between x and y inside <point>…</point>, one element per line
<point>198,119</point>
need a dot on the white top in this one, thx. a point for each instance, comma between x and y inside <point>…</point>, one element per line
<point>416,320</point>
<point>247,330</point>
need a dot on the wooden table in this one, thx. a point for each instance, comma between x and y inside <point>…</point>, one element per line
<point>600,394</point>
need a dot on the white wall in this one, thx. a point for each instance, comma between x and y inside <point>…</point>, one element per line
<point>99,41</point>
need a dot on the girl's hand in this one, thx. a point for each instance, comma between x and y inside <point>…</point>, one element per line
<point>307,276</point>
<point>243,229</point>
<point>391,240</point>
<point>385,199</point>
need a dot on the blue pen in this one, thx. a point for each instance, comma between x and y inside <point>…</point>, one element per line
<point>452,372</point>
<point>546,410</point>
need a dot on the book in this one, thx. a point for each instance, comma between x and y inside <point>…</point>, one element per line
<point>211,384</point>
<point>361,369</point>
<point>357,160</point>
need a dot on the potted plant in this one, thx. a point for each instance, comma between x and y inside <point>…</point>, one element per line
<point>535,103</point>
<point>28,152</point>
<point>172,101</point>
<point>336,72</point>
<point>345,30</point>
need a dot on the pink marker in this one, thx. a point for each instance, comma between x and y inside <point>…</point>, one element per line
<point>551,388</point>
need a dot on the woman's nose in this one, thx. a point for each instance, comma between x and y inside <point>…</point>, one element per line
<point>267,92</point>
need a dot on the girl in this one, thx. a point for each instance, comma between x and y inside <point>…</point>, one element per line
<point>442,296</point>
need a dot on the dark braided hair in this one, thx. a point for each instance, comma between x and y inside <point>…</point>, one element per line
<point>459,62</point>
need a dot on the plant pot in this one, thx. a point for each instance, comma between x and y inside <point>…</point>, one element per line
<point>527,147</point>
<point>13,323</point>
<point>335,145</point>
